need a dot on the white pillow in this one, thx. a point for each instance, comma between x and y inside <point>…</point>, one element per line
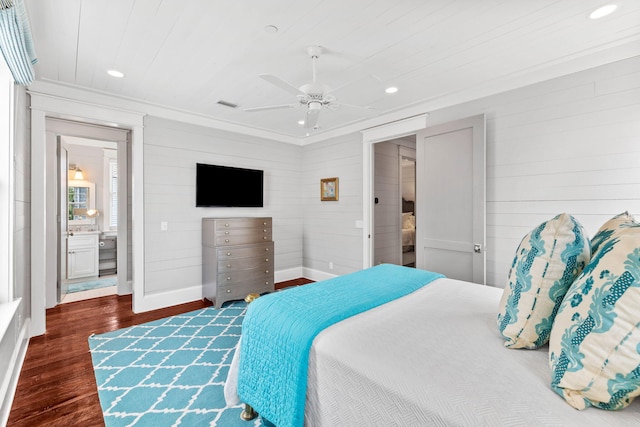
<point>594,350</point>
<point>547,261</point>
<point>406,220</point>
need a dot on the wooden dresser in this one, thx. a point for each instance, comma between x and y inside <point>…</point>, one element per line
<point>237,258</point>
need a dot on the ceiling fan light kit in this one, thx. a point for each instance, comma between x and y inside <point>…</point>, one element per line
<point>313,96</point>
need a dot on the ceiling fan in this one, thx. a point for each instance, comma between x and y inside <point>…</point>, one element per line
<point>313,96</point>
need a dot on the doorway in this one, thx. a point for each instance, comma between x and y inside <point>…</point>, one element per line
<point>88,212</point>
<point>394,200</point>
<point>431,215</point>
<point>407,167</point>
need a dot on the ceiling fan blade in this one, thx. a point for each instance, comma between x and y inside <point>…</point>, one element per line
<point>271,107</point>
<point>311,118</point>
<point>276,81</point>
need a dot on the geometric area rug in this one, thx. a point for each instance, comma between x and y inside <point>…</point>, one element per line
<point>170,372</point>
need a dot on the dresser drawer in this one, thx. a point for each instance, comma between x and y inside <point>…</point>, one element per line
<point>247,251</point>
<point>235,231</point>
<point>243,223</point>
<point>239,264</point>
<point>241,240</point>
<point>232,277</point>
<point>242,289</point>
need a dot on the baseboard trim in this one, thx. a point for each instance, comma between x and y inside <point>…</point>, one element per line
<point>180,296</point>
<point>167,299</point>
<point>289,274</point>
<point>17,361</point>
<point>316,275</point>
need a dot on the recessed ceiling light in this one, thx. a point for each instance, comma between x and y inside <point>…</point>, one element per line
<point>391,89</point>
<point>270,29</point>
<point>115,73</point>
<point>603,11</point>
<point>300,122</point>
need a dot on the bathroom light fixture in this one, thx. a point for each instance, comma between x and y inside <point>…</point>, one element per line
<point>603,11</point>
<point>391,89</point>
<point>78,175</point>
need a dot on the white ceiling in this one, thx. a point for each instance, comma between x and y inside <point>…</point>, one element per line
<point>188,55</point>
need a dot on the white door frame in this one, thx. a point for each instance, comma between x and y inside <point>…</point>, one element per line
<point>42,107</point>
<point>371,136</point>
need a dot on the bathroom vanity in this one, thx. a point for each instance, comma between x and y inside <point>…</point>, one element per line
<point>82,254</point>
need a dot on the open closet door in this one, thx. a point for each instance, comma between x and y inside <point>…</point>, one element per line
<point>63,213</point>
<point>451,213</point>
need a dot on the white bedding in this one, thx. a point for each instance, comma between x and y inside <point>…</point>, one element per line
<point>408,236</point>
<point>434,358</point>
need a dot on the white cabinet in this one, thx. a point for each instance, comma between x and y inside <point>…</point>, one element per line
<point>82,256</point>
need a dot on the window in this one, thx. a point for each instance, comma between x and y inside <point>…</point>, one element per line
<point>7,111</point>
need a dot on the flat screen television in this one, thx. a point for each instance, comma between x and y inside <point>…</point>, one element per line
<point>225,186</point>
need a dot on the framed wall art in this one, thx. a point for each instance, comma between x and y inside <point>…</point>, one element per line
<point>329,189</point>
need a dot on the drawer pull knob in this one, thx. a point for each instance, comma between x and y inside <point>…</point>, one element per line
<point>226,240</point>
<point>228,253</point>
<point>266,260</point>
<point>228,291</point>
<point>226,232</point>
<point>265,230</point>
<point>265,237</point>
<point>228,278</point>
<point>264,223</point>
<point>226,224</point>
<point>228,265</point>
<point>266,283</point>
<point>266,271</point>
<point>266,249</point>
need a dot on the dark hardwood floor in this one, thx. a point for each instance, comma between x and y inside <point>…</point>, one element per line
<point>57,386</point>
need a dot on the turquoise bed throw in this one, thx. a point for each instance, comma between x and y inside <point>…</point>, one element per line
<point>279,328</point>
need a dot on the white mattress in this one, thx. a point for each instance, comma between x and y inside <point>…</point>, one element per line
<point>435,358</point>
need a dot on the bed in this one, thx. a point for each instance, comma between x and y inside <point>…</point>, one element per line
<point>432,357</point>
<point>408,233</point>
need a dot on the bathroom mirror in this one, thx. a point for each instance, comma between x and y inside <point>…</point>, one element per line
<point>81,197</point>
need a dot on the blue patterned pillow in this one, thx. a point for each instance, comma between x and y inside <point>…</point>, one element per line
<point>547,261</point>
<point>594,349</point>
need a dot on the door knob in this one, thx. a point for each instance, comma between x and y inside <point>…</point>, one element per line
<point>477,248</point>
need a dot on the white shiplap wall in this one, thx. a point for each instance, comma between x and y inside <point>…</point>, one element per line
<point>570,144</point>
<point>330,232</point>
<point>386,238</point>
<point>173,258</point>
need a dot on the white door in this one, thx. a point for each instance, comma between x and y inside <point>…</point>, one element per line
<point>450,188</point>
<point>63,215</point>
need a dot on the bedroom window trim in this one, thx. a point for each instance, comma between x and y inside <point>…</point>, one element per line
<point>7,198</point>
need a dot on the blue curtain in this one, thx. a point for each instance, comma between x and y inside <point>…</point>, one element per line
<point>16,42</point>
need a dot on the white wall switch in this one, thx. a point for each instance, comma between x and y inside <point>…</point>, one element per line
<point>164,225</point>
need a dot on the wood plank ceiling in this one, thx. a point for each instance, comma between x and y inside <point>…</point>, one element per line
<point>188,55</point>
